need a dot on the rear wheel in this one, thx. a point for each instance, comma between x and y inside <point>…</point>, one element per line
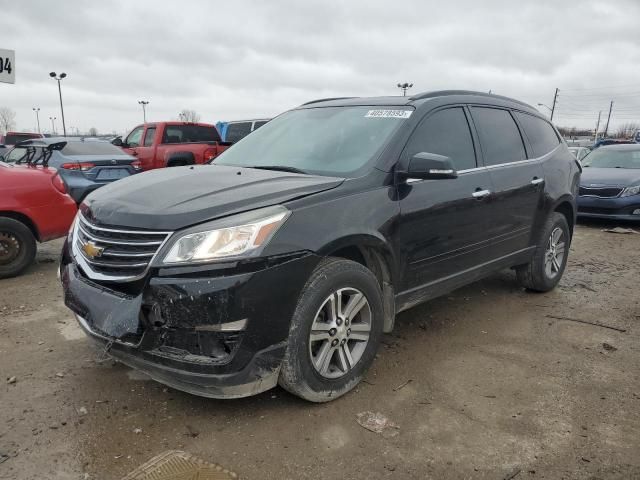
<point>17,247</point>
<point>335,331</point>
<point>545,269</point>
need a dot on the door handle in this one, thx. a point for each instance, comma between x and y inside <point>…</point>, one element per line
<point>537,181</point>
<point>481,194</point>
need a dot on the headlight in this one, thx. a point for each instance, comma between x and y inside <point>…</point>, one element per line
<point>242,235</point>
<point>627,192</point>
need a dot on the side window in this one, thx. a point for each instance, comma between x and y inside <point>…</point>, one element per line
<point>134,138</point>
<point>541,134</point>
<point>257,125</point>
<point>447,133</point>
<point>15,155</point>
<point>237,131</point>
<point>173,134</point>
<point>149,136</point>
<point>499,136</point>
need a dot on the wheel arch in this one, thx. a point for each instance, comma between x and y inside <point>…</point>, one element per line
<point>22,218</point>
<point>376,255</point>
<point>567,208</point>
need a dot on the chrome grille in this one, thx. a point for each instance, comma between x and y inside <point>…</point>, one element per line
<point>602,192</point>
<point>119,254</point>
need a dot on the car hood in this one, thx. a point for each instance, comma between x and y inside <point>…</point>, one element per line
<point>178,197</point>
<point>622,177</point>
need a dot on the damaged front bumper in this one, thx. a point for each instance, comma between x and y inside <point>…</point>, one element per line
<point>217,333</point>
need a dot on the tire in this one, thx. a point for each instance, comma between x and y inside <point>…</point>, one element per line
<point>303,372</point>
<point>17,247</point>
<point>538,275</point>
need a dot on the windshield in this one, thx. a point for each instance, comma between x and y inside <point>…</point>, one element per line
<point>603,158</point>
<point>334,141</point>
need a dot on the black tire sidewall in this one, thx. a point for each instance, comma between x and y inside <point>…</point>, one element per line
<point>327,278</point>
<point>27,247</point>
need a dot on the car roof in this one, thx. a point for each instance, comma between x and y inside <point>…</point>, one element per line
<point>421,98</point>
<point>622,147</point>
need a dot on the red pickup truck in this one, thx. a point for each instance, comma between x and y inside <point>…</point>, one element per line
<point>172,144</point>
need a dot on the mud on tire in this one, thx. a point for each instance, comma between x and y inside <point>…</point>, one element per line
<point>340,284</point>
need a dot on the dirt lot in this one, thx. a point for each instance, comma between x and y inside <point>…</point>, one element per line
<point>496,387</point>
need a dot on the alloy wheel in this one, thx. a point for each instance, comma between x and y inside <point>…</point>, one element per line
<point>340,332</point>
<point>554,255</point>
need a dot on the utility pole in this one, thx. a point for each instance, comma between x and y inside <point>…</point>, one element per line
<point>597,126</point>
<point>53,125</point>
<point>553,107</point>
<point>37,109</point>
<point>606,128</point>
<point>144,104</point>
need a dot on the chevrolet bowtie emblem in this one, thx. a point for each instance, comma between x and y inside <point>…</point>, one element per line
<point>91,250</point>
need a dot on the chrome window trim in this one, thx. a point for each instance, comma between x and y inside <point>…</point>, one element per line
<point>79,258</point>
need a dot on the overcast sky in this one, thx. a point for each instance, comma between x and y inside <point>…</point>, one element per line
<point>235,59</point>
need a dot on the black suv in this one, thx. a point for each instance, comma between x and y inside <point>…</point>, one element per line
<point>286,260</point>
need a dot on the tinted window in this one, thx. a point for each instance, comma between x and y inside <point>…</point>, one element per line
<point>13,138</point>
<point>257,125</point>
<point>190,134</point>
<point>237,131</point>
<point>135,137</point>
<point>446,133</point>
<point>91,147</point>
<point>149,136</point>
<point>499,136</point>
<point>541,135</point>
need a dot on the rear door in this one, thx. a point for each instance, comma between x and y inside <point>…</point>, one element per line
<point>517,178</point>
<point>443,227</point>
<point>146,150</point>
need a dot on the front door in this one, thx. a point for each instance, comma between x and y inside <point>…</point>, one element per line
<point>444,223</point>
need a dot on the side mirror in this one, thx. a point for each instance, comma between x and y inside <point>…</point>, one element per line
<point>117,142</point>
<point>429,166</point>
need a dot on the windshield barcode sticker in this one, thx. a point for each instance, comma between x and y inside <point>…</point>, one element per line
<point>389,113</point>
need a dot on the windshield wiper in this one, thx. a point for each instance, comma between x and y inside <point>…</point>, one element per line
<point>279,168</point>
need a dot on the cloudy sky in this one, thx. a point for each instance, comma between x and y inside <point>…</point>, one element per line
<point>241,59</point>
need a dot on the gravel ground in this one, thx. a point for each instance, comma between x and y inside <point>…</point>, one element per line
<point>486,382</point>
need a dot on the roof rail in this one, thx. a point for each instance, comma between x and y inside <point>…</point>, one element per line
<point>443,93</point>
<point>326,100</point>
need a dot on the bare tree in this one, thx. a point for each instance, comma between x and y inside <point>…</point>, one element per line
<point>93,132</point>
<point>189,116</point>
<point>626,130</point>
<point>7,119</point>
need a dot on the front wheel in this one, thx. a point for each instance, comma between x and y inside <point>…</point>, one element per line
<point>549,260</point>
<point>335,331</point>
<point>17,247</point>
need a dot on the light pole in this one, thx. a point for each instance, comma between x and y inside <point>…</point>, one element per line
<point>405,86</point>
<point>53,124</point>
<point>37,109</point>
<point>58,78</point>
<point>545,106</point>
<point>144,104</point>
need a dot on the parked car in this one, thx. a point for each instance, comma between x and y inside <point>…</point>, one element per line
<point>286,259</point>
<point>579,152</point>
<point>11,138</point>
<point>603,142</point>
<point>235,131</point>
<point>610,184</point>
<point>173,144</point>
<point>34,206</point>
<point>84,165</point>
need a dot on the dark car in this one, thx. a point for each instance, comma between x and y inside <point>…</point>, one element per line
<point>610,184</point>
<point>84,165</point>
<point>286,260</point>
